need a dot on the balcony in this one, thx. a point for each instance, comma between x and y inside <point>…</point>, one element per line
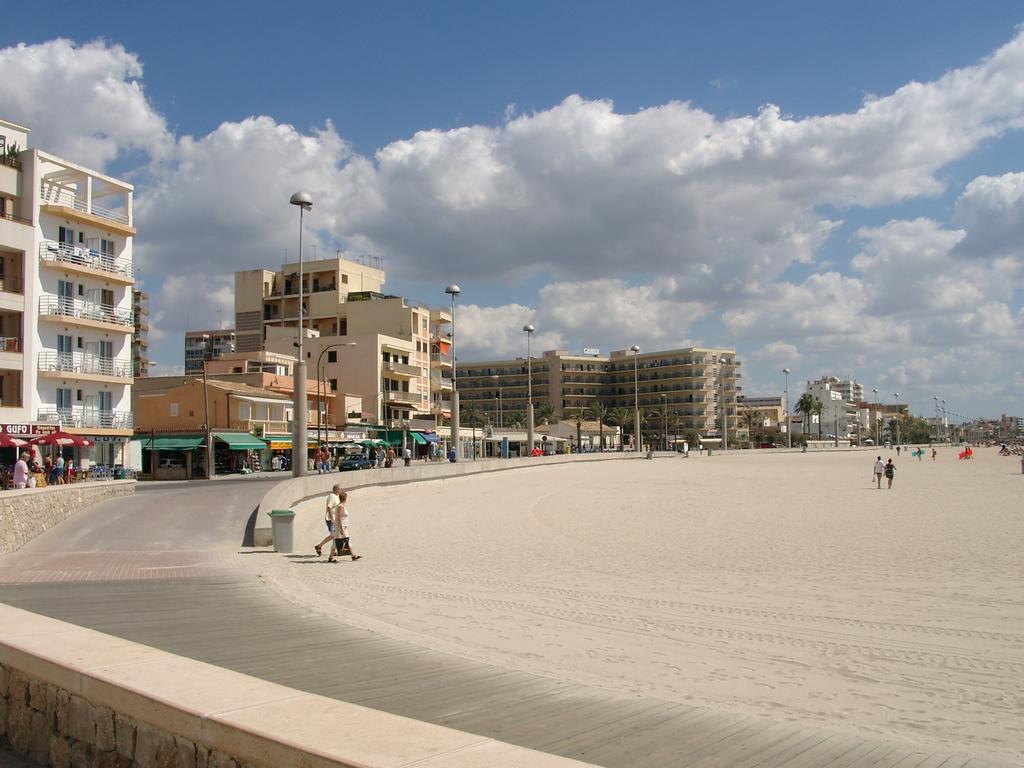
<point>76,363</point>
<point>406,398</point>
<point>86,418</point>
<point>86,260</point>
<point>86,312</point>
<point>58,198</point>
<point>401,369</point>
<point>10,344</point>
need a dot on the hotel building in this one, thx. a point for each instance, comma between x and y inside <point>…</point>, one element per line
<point>690,386</point>
<point>66,279</point>
<point>203,346</point>
<point>358,341</point>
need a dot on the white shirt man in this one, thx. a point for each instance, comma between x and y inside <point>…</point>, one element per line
<point>879,471</point>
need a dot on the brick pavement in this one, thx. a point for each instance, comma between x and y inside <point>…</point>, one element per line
<point>41,567</point>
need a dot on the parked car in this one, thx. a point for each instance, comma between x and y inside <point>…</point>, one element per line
<point>355,462</point>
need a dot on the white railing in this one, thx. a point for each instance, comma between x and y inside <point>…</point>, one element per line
<point>86,257</point>
<point>104,313</point>
<point>54,194</point>
<point>401,397</point>
<point>403,369</point>
<point>80,416</point>
<point>77,362</point>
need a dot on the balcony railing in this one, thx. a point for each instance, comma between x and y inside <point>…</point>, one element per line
<point>401,368</point>
<point>53,194</point>
<point>104,313</point>
<point>10,344</point>
<point>17,219</point>
<point>77,362</point>
<point>86,257</point>
<point>82,417</point>
<point>11,162</point>
<point>411,398</point>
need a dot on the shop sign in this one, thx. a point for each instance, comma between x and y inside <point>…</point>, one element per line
<point>27,430</point>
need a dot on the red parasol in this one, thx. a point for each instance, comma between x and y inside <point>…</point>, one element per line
<point>61,438</point>
<point>6,441</point>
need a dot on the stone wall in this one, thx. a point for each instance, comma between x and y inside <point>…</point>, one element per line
<point>50,726</point>
<point>27,513</point>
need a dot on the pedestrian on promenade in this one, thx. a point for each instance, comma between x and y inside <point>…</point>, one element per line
<point>890,472</point>
<point>407,456</point>
<point>934,454</point>
<point>342,544</point>
<point>330,510</point>
<point>879,471</point>
<point>21,471</point>
<point>380,457</point>
<point>897,450</point>
<point>389,457</point>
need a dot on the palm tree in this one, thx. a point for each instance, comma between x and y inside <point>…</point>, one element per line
<point>805,405</point>
<point>599,411</point>
<point>752,418</point>
<point>544,412</point>
<point>516,419</point>
<point>620,417</point>
<point>471,414</point>
<point>818,408</point>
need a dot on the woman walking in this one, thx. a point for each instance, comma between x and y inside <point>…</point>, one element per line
<point>890,472</point>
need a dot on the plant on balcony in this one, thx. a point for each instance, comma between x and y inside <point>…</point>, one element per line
<point>11,154</point>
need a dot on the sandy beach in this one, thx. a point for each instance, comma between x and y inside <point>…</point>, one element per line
<point>781,585</point>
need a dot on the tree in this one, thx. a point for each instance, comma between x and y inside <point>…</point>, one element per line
<point>752,418</point>
<point>818,408</point>
<point>599,411</point>
<point>805,405</point>
<point>544,412</point>
<point>516,419</point>
<point>471,414</point>
<point>622,418</point>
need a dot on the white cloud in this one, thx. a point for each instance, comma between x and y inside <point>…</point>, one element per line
<point>84,103</point>
<point>777,352</point>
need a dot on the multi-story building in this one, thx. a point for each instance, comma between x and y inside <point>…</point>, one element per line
<point>357,340</point>
<point>839,399</point>
<point>690,386</point>
<point>66,297</point>
<point>769,411</point>
<point>140,339</point>
<point>202,346</point>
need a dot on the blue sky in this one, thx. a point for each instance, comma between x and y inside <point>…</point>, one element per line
<point>652,173</point>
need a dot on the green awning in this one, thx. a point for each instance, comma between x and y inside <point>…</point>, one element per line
<point>171,443</point>
<point>418,438</point>
<point>241,441</point>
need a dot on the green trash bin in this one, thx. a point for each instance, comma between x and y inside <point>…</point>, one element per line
<point>281,530</point>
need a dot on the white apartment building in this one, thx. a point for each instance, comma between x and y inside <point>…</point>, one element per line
<point>839,398</point>
<point>66,279</point>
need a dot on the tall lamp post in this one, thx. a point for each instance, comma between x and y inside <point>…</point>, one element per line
<point>300,447</point>
<point>497,401</point>
<point>319,359</point>
<point>675,430</point>
<point>528,329</point>
<point>789,431</point>
<point>636,399</point>
<point>664,420</point>
<point>453,290</point>
<point>897,404</point>
<point>875,430</point>
<point>209,432</point>
<point>945,427</point>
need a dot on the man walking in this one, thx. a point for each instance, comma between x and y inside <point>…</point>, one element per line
<point>330,512</point>
<point>879,471</point>
<point>342,543</point>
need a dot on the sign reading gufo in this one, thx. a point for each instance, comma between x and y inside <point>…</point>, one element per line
<point>27,430</point>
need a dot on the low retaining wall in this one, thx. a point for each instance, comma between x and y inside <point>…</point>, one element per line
<point>71,696</point>
<point>24,514</point>
<point>288,493</point>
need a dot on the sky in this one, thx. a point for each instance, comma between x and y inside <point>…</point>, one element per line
<point>833,188</point>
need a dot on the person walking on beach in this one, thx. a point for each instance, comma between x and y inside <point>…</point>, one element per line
<point>879,471</point>
<point>341,538</point>
<point>897,450</point>
<point>934,454</point>
<point>330,509</point>
<point>21,471</point>
<point>890,472</point>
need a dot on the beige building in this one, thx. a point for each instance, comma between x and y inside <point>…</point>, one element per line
<point>687,386</point>
<point>204,346</point>
<point>390,354</point>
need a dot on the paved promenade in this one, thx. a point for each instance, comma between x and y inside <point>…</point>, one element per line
<point>155,569</point>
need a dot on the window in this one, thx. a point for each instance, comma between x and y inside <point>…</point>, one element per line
<point>332,356</point>
<point>244,411</point>
<point>106,247</point>
<point>174,410</point>
<point>63,399</point>
<point>79,396</point>
<point>81,343</point>
<point>343,326</point>
<point>66,235</point>
<point>344,279</point>
<point>334,385</point>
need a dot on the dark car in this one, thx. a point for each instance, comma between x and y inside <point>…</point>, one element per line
<point>355,462</point>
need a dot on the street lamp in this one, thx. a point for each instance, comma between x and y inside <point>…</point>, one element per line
<point>319,358</point>
<point>897,404</point>
<point>675,430</point>
<point>945,427</point>
<point>453,290</point>
<point>875,430</point>
<point>664,420</point>
<point>636,398</point>
<point>789,431</point>
<point>497,382</point>
<point>300,448</point>
<point>528,329</point>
